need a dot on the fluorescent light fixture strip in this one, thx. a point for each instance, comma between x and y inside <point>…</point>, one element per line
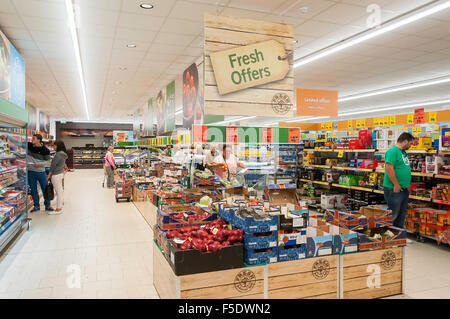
<point>73,32</point>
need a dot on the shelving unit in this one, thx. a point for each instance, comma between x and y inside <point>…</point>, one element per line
<point>89,157</point>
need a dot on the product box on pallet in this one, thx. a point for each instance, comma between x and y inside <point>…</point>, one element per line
<point>366,217</point>
<point>294,252</point>
<point>261,240</point>
<point>292,237</point>
<point>381,238</point>
<point>193,195</point>
<point>318,242</point>
<point>437,217</point>
<point>281,195</point>
<point>345,241</point>
<point>159,236</point>
<point>173,217</point>
<point>193,261</point>
<point>261,256</point>
<point>214,192</point>
<point>253,225</point>
<point>209,181</point>
<point>435,230</point>
<point>292,221</point>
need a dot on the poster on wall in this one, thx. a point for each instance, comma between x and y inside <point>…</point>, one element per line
<point>143,122</point>
<point>161,114</point>
<point>12,73</point>
<point>248,67</point>
<point>317,103</point>
<point>190,90</point>
<point>136,123</point>
<point>32,118</point>
<point>43,126</point>
<point>170,107</point>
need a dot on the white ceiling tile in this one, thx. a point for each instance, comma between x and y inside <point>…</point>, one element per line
<point>242,13</point>
<point>6,6</point>
<point>140,21</point>
<point>10,20</point>
<point>122,44</point>
<point>182,27</point>
<point>135,35</point>
<point>17,33</point>
<point>256,5</point>
<point>193,11</point>
<point>98,17</point>
<point>112,5</point>
<point>341,14</point>
<point>165,48</point>
<point>161,8</point>
<point>174,39</point>
<point>315,28</point>
<point>314,8</point>
<point>43,9</point>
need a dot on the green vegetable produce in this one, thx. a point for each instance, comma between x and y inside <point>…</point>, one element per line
<point>205,201</point>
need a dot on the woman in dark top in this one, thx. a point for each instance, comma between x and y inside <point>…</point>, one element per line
<point>56,175</point>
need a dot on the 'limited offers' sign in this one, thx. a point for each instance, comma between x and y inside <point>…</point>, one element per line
<point>248,66</point>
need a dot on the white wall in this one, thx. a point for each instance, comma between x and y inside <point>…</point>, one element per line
<point>82,141</point>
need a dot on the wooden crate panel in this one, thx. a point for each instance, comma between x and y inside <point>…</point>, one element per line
<point>250,95</point>
<point>247,25</point>
<point>302,265</point>
<point>359,283</point>
<point>370,257</point>
<point>332,295</point>
<point>219,278</point>
<point>255,296</point>
<point>304,291</point>
<point>298,279</point>
<point>363,270</point>
<point>372,293</point>
<point>164,279</point>
<point>225,291</point>
<point>233,37</point>
<point>211,47</point>
<point>236,108</point>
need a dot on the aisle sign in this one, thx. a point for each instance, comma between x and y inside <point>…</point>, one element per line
<point>432,117</point>
<point>317,103</point>
<point>294,137</point>
<point>350,124</point>
<point>267,135</point>
<point>410,119</point>
<point>419,116</point>
<point>232,135</point>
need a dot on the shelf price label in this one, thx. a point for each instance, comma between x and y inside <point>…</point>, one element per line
<point>437,128</point>
<point>393,120</point>
<point>432,117</point>
<point>361,123</point>
<point>341,154</point>
<point>419,116</point>
<point>267,137</point>
<point>350,124</point>
<point>294,137</point>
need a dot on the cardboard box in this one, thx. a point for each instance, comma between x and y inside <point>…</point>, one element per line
<point>366,243</point>
<point>167,217</point>
<point>345,241</point>
<point>260,240</point>
<point>281,195</point>
<point>210,181</point>
<point>159,236</point>
<point>193,195</point>
<point>366,217</point>
<point>288,253</point>
<point>260,256</point>
<point>318,243</point>
<point>293,221</point>
<point>192,261</point>
<point>292,237</point>
<point>251,225</point>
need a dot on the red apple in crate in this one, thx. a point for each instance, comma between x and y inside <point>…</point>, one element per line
<point>233,238</point>
<point>226,243</point>
<point>172,234</point>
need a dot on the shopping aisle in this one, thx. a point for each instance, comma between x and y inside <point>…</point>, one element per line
<point>109,242</point>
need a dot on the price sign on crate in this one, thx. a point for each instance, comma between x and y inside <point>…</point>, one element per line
<point>393,120</point>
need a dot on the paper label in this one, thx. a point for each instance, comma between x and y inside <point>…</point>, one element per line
<point>274,228</point>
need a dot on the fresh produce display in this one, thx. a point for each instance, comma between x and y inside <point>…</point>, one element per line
<point>209,238</point>
<point>203,174</point>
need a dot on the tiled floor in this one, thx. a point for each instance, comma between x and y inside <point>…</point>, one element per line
<point>107,245</point>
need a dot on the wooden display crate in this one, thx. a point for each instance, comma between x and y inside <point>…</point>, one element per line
<point>310,278</point>
<point>138,196</point>
<point>147,210</point>
<point>247,282</point>
<point>380,268</point>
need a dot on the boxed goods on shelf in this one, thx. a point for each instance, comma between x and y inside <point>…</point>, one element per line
<point>349,180</point>
<point>366,217</point>
<point>260,240</point>
<point>381,238</point>
<point>251,224</point>
<point>332,201</point>
<point>193,195</point>
<point>292,252</point>
<point>293,220</point>
<point>281,195</point>
<point>261,256</point>
<point>173,217</point>
<point>208,181</point>
<point>344,240</point>
<point>292,237</point>
<point>159,236</point>
<point>318,243</point>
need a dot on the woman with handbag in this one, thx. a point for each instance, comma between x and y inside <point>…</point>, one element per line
<point>110,166</point>
<point>56,176</point>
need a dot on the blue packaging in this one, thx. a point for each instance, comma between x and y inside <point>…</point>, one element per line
<point>258,257</point>
<point>287,253</point>
<point>253,242</point>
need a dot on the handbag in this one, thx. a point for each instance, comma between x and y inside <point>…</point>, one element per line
<point>49,192</point>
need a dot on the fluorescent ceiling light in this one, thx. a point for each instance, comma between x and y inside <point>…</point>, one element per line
<point>442,5</point>
<point>236,120</point>
<point>398,88</point>
<point>399,107</point>
<point>307,119</point>
<point>73,32</point>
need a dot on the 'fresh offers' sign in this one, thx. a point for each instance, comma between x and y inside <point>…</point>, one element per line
<point>248,66</point>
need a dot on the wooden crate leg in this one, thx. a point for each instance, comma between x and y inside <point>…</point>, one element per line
<point>266,281</point>
<point>341,277</point>
<point>178,296</point>
<point>403,269</point>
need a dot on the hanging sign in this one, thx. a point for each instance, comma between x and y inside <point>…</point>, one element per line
<point>267,135</point>
<point>410,119</point>
<point>248,66</point>
<point>350,124</point>
<point>200,133</point>
<point>317,103</point>
<point>393,120</point>
<point>232,135</point>
<point>294,137</point>
<point>419,116</point>
<point>361,123</point>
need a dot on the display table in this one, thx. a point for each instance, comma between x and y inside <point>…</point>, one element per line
<point>147,209</point>
<point>327,277</point>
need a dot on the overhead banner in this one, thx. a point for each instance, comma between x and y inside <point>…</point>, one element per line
<point>143,121</point>
<point>161,116</point>
<point>190,95</point>
<point>248,67</point>
<point>12,73</point>
<point>149,120</point>
<point>136,124</point>
<point>317,103</point>
<point>32,118</point>
<point>170,107</point>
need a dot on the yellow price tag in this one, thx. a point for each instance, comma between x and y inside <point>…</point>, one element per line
<point>393,120</point>
<point>437,128</point>
<point>322,126</point>
<point>349,124</point>
<point>341,154</point>
<point>447,133</point>
<point>334,134</point>
<point>432,117</point>
<point>410,119</point>
<point>419,129</point>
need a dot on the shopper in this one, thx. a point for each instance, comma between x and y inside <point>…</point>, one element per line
<point>56,175</point>
<point>397,179</point>
<point>213,159</point>
<point>179,156</point>
<point>199,159</point>
<point>110,165</point>
<point>229,162</point>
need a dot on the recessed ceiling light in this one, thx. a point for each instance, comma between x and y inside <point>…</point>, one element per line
<point>304,9</point>
<point>295,41</point>
<point>123,68</point>
<point>131,46</point>
<point>146,6</point>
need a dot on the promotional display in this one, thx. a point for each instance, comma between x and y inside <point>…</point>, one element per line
<point>248,67</point>
<point>12,73</point>
<point>190,95</point>
<point>317,103</point>
<point>170,107</point>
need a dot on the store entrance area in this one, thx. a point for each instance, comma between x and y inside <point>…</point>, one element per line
<point>111,245</point>
<point>107,244</point>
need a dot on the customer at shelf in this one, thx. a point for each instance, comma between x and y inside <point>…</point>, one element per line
<point>229,162</point>
<point>110,166</point>
<point>56,175</point>
<point>397,180</point>
<point>213,158</point>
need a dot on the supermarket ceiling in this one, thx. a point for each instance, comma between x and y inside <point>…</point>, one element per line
<point>168,38</point>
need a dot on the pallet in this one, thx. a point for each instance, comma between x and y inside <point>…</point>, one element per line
<point>372,274</point>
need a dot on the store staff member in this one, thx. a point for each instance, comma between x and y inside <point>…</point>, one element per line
<point>397,179</point>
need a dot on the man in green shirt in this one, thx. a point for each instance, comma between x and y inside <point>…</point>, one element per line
<point>397,178</point>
